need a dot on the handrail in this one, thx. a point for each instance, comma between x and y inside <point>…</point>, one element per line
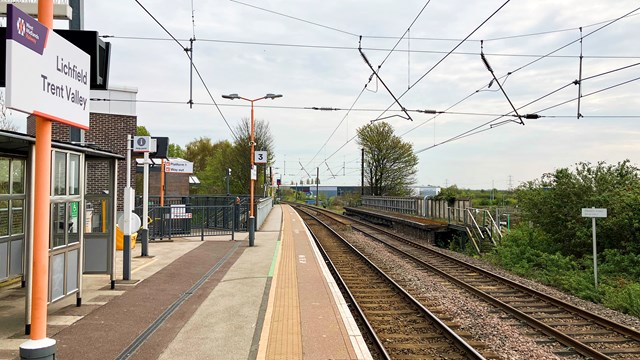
<point>473,241</point>
<point>494,225</point>
<point>474,222</point>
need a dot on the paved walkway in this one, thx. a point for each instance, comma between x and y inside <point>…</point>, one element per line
<point>212,299</point>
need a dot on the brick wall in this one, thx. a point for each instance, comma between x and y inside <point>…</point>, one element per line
<point>108,132</point>
<point>174,184</point>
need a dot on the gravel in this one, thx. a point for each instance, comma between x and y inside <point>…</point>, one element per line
<point>616,316</point>
<point>498,333</point>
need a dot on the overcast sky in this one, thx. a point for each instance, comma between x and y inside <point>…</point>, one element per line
<point>308,52</point>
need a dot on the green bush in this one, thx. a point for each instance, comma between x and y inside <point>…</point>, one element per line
<point>522,252</point>
<point>614,263</point>
<point>624,297</point>
<point>557,248</point>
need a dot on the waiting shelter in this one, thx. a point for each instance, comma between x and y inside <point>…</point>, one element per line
<point>82,222</point>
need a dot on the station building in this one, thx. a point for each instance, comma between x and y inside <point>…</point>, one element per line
<point>87,180</point>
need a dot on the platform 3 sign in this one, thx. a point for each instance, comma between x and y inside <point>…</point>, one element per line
<point>46,75</point>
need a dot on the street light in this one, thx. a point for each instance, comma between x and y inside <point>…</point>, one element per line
<point>252,219</point>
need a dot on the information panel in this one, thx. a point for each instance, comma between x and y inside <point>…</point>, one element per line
<point>46,75</point>
<point>178,166</point>
<point>594,213</point>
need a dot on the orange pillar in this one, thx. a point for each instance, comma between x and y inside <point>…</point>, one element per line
<point>42,193</point>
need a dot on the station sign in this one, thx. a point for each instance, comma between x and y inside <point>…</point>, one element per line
<point>46,75</point>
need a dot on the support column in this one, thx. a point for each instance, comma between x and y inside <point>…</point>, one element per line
<point>39,346</point>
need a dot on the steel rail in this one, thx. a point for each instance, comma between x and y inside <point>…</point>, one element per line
<point>579,346</point>
<point>345,290</point>
<point>460,343</point>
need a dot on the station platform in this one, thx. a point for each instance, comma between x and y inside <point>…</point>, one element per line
<point>211,299</point>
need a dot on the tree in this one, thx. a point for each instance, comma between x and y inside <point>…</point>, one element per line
<point>390,166</point>
<point>198,151</point>
<point>175,151</point>
<point>449,194</point>
<point>213,176</point>
<point>6,124</point>
<point>142,131</point>
<point>239,159</point>
<point>553,204</point>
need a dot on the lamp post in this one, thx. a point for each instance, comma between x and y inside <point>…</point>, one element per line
<point>251,225</point>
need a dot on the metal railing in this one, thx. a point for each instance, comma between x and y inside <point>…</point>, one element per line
<point>190,221</point>
<point>459,212</point>
<point>262,208</point>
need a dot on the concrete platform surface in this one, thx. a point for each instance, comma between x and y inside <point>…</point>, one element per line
<point>212,299</point>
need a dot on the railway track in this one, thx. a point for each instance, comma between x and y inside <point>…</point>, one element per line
<point>402,327</point>
<point>554,320</point>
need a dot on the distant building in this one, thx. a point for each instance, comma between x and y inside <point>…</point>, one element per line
<point>329,191</point>
<point>428,191</point>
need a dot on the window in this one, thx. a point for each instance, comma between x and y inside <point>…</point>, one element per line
<point>17,216</point>
<point>74,174</point>
<point>4,218</point>
<point>65,202</point>
<point>59,173</point>
<point>5,166</point>
<point>17,178</point>
<point>58,215</point>
<point>11,196</point>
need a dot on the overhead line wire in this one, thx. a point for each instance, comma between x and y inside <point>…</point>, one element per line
<point>294,18</point>
<point>351,109</point>
<point>575,41</point>
<point>449,53</point>
<point>365,86</point>
<point>521,67</point>
<point>495,38</point>
<point>370,77</point>
<point>194,67</point>
<point>473,130</point>
<point>340,123</point>
<point>592,93</point>
<point>422,38</point>
<point>369,48</point>
<point>403,34</point>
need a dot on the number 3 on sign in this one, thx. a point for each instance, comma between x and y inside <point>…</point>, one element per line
<point>260,157</point>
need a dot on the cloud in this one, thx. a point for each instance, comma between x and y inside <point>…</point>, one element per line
<point>329,77</point>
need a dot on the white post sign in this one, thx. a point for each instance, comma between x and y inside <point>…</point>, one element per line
<point>142,144</point>
<point>260,157</point>
<point>46,75</point>
<point>594,213</point>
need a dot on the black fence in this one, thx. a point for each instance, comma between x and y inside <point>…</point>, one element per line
<point>180,220</point>
<point>197,215</point>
